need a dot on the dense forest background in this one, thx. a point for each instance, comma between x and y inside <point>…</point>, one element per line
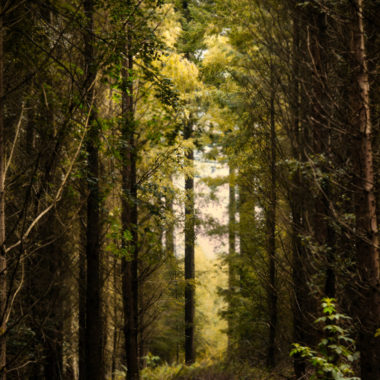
<point>107,110</point>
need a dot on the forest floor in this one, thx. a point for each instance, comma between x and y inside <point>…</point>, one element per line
<point>206,370</point>
<point>211,365</point>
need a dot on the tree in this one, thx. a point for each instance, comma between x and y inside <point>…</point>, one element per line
<point>94,327</point>
<point>129,213</point>
<point>3,260</point>
<point>367,244</point>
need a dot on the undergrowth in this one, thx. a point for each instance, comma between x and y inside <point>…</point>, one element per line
<point>208,369</point>
<point>201,370</point>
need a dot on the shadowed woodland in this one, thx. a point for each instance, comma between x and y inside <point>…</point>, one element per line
<point>189,189</point>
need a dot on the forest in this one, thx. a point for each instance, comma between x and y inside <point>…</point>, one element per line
<point>189,189</point>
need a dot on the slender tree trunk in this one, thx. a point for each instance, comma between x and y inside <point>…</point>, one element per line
<point>48,312</point>
<point>320,121</point>
<point>82,293</point>
<point>3,259</point>
<point>298,278</point>
<point>169,233</point>
<point>189,256</point>
<point>367,245</point>
<point>129,218</point>
<point>231,252</point>
<point>94,326</point>
<point>303,302</point>
<point>172,263</point>
<point>189,231</point>
<point>115,337</point>
<point>330,280</point>
<point>271,236</point>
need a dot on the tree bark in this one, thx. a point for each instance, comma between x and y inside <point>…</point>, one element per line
<point>231,253</point>
<point>271,235</point>
<point>367,245</point>
<point>115,335</point>
<point>129,217</point>
<point>298,249</point>
<point>189,233</point>
<point>3,259</point>
<point>303,302</point>
<point>94,326</point>
<point>320,121</point>
<point>82,285</point>
<point>189,256</point>
<point>169,233</point>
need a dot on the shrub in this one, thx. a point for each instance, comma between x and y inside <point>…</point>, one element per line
<point>335,354</point>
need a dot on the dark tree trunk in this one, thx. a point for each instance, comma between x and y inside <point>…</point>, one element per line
<point>303,303</point>
<point>50,308</point>
<point>367,244</point>
<point>298,249</point>
<point>320,121</point>
<point>189,256</point>
<point>271,235</point>
<point>94,326</point>
<point>169,233</point>
<point>53,358</point>
<point>189,228</point>
<point>231,252</point>
<point>3,259</point>
<point>82,284</point>
<point>115,337</point>
<point>129,217</point>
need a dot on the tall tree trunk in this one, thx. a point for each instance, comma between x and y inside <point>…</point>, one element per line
<point>169,232</point>
<point>52,310</point>
<point>320,121</point>
<point>367,245</point>
<point>3,260</point>
<point>189,228</point>
<point>82,285</point>
<point>115,337</point>
<point>231,253</point>
<point>271,235</point>
<point>94,326</point>
<point>189,255</point>
<point>172,263</point>
<point>297,247</point>
<point>303,302</point>
<point>129,217</point>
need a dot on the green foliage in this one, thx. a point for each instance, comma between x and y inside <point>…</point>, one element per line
<point>335,355</point>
